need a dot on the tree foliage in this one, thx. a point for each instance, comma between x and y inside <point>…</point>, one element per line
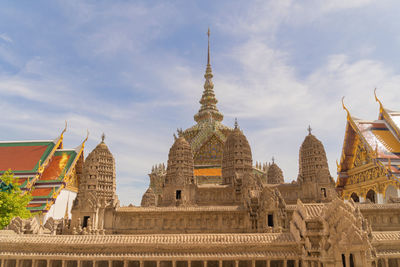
<point>12,200</point>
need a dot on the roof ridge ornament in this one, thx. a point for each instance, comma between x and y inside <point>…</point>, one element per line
<point>236,124</point>
<point>377,100</point>
<point>344,107</point>
<point>309,129</point>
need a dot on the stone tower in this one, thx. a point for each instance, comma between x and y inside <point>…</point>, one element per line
<point>274,174</point>
<point>99,173</point>
<point>236,158</point>
<point>97,189</point>
<point>314,177</point>
<point>179,180</point>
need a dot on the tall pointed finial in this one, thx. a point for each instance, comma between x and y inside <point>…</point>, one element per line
<point>309,129</point>
<point>103,136</point>
<point>208,52</point>
<point>208,100</point>
<point>273,159</point>
<point>236,123</point>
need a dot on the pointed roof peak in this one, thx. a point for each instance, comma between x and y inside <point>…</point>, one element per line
<point>208,51</point>
<point>208,109</point>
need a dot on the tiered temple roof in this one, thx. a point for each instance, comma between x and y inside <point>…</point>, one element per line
<point>42,167</point>
<point>375,142</point>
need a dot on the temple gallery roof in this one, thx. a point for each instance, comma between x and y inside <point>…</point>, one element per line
<point>24,157</point>
<point>41,166</point>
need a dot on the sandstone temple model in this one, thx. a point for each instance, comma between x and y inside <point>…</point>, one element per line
<point>211,206</point>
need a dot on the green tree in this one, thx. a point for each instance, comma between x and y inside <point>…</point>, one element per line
<point>12,200</point>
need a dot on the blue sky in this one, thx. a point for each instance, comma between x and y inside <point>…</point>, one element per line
<point>134,70</point>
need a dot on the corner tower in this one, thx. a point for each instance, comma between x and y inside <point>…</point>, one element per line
<point>314,177</point>
<point>237,159</point>
<point>179,181</point>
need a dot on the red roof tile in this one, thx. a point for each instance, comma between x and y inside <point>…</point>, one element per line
<point>20,157</point>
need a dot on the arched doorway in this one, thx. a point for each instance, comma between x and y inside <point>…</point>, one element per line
<point>371,195</point>
<point>391,191</point>
<point>354,197</point>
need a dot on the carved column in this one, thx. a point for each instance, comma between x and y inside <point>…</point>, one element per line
<point>379,198</point>
<point>284,263</point>
<point>125,263</point>
<point>386,262</point>
<point>253,263</point>
<point>141,263</point>
<point>173,264</point>
<point>220,263</point>
<point>109,262</point>
<point>268,263</point>
<point>79,263</point>
<point>237,263</point>
<point>347,257</point>
<point>62,263</point>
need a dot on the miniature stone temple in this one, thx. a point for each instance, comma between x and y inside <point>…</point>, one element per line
<point>211,206</point>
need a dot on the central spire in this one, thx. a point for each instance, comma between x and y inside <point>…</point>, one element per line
<point>208,109</point>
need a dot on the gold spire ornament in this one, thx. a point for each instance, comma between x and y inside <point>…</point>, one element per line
<point>208,109</point>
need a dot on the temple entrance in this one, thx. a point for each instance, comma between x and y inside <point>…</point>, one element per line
<point>371,196</point>
<point>391,191</point>
<point>85,221</point>
<point>354,197</point>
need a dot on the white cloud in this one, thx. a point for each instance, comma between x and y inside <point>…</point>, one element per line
<point>5,37</point>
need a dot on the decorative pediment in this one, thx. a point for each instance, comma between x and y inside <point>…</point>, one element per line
<point>345,229</point>
<point>362,157</point>
<point>211,150</point>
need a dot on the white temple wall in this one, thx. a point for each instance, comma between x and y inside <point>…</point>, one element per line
<point>57,211</point>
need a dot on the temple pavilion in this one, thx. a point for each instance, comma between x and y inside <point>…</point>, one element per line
<point>369,168</point>
<point>47,170</point>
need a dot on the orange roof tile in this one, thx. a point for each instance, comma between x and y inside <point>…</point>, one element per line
<point>57,165</point>
<point>208,172</point>
<point>42,192</point>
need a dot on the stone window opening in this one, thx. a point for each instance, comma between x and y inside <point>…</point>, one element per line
<point>178,194</point>
<point>270,220</point>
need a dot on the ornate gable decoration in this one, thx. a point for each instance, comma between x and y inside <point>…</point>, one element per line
<point>345,230</point>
